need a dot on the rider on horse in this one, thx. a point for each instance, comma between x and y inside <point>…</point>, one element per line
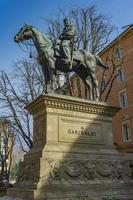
<point>64,58</point>
<point>65,43</point>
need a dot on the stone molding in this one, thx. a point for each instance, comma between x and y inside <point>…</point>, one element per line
<point>72,104</point>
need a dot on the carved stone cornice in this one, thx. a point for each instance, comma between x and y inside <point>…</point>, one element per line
<point>72,104</point>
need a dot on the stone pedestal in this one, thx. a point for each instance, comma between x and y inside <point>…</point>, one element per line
<point>73,156</point>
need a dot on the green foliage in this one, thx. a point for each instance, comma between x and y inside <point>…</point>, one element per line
<point>14,172</point>
<point>2,193</point>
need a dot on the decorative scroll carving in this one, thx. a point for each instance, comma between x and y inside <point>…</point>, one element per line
<point>75,171</point>
<point>27,174</point>
<point>104,169</point>
<point>39,137</point>
<point>118,171</point>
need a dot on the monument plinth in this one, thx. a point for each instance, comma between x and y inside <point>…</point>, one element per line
<point>73,156</point>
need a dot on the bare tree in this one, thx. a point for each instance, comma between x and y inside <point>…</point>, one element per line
<point>7,139</point>
<point>93,28</point>
<point>55,27</point>
<point>108,78</point>
<point>24,85</point>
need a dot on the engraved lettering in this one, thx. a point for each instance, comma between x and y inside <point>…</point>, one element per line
<point>69,131</point>
<point>81,132</point>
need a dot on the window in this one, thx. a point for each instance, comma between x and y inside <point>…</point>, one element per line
<point>123,99</point>
<point>126,131</point>
<point>121,74</point>
<point>119,53</point>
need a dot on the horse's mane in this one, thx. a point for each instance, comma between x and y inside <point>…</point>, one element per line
<point>43,35</point>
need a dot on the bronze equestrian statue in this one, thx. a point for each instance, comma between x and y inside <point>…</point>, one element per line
<point>65,43</point>
<point>63,56</point>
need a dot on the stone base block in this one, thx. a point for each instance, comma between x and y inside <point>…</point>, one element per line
<point>73,156</point>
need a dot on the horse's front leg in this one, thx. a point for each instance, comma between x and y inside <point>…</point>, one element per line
<point>46,88</point>
<point>45,81</point>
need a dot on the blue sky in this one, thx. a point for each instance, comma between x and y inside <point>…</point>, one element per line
<point>14,13</point>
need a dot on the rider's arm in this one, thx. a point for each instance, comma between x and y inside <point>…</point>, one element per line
<point>68,33</point>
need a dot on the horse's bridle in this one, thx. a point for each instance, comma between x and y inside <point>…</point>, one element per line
<point>26,43</point>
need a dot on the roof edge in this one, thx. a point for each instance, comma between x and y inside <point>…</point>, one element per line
<point>116,39</point>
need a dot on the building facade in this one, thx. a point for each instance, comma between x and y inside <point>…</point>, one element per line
<point>118,81</point>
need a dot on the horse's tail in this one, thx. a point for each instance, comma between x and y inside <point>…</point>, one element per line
<point>100,62</point>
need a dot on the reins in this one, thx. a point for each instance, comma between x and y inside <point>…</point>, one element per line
<point>27,49</point>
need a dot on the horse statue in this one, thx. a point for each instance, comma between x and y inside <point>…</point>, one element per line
<point>84,63</point>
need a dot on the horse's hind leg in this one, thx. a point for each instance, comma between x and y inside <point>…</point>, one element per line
<point>95,88</point>
<point>97,95</point>
<point>88,83</point>
<point>87,79</point>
